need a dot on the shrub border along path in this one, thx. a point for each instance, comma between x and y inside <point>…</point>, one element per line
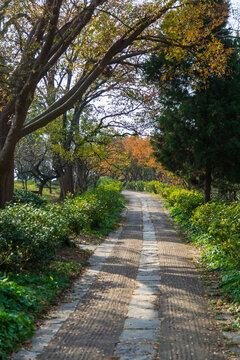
<point>61,313</point>
<point>95,326</point>
<point>223,314</point>
<point>38,265</point>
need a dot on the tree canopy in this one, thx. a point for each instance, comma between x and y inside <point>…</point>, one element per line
<point>198,130</point>
<point>38,35</point>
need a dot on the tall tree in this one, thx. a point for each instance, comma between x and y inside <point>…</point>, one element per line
<point>35,35</point>
<point>198,130</point>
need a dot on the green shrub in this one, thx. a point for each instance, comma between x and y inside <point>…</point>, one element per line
<point>15,325</point>
<point>25,294</point>
<point>104,205</point>
<point>185,200</point>
<point>222,224</point>
<point>26,197</point>
<point>16,298</point>
<point>30,233</point>
<point>136,185</point>
<point>231,284</point>
<point>151,186</point>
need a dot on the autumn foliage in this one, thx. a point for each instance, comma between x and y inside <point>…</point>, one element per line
<point>131,159</point>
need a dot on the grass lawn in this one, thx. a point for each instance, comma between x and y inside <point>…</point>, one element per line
<point>46,193</point>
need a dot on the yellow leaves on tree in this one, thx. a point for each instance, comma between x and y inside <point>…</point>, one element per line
<point>131,159</point>
<point>189,31</point>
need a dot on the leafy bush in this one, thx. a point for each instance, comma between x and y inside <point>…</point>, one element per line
<point>30,233</point>
<point>214,226</point>
<point>16,301</point>
<point>105,205</point>
<point>14,327</point>
<point>151,186</point>
<point>231,284</point>
<point>136,185</point>
<point>222,224</point>
<point>26,197</point>
<point>75,212</point>
<point>185,200</point>
<point>23,295</point>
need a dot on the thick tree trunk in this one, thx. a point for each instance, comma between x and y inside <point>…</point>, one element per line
<point>81,183</point>
<point>66,181</point>
<point>207,185</point>
<point>6,183</point>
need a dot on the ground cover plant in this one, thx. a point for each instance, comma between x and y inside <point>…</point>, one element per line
<point>36,262</point>
<point>214,226</point>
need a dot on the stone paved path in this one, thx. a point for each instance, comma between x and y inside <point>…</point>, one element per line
<point>142,300</point>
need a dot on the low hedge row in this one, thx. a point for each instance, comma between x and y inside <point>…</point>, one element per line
<point>31,275</point>
<point>214,226</point>
<point>33,230</point>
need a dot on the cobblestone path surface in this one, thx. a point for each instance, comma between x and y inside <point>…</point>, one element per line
<point>142,300</point>
<point>188,329</point>
<point>93,329</point>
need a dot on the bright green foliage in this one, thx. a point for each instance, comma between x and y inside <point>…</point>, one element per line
<point>155,187</point>
<point>231,284</point>
<point>214,226</point>
<point>29,231</point>
<point>24,295</point>
<point>186,200</point>
<point>106,205</point>
<point>222,224</point>
<point>136,185</point>
<point>26,197</point>
<point>15,324</point>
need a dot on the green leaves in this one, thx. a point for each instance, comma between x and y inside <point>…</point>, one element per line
<point>26,197</point>
<point>221,221</point>
<point>214,226</point>
<point>15,324</point>
<point>30,231</point>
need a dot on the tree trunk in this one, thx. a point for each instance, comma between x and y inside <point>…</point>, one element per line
<point>81,183</point>
<point>41,186</point>
<point>66,181</point>
<point>207,185</point>
<point>6,183</point>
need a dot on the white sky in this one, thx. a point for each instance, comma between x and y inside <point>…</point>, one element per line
<point>235,15</point>
<point>235,2</point>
